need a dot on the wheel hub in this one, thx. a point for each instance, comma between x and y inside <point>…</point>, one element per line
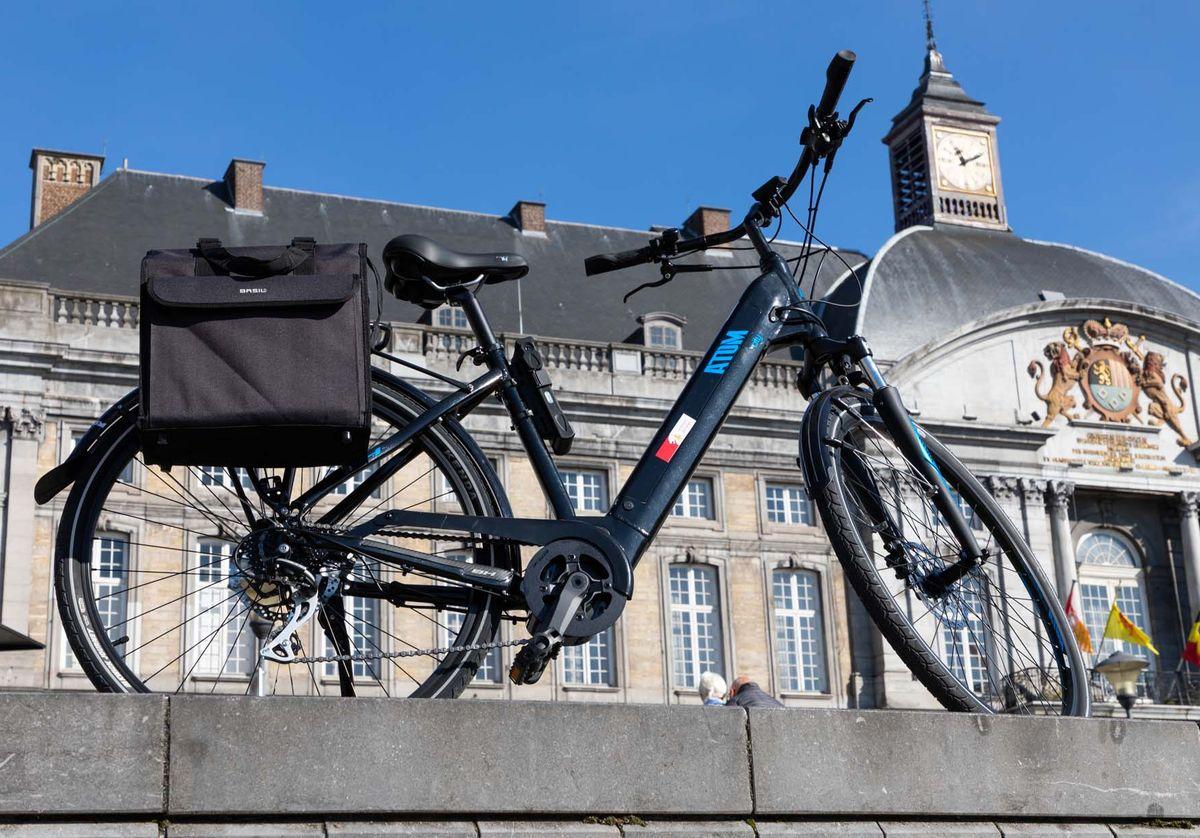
<point>274,568</point>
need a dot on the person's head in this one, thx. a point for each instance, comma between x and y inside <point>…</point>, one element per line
<point>737,684</point>
<point>711,685</point>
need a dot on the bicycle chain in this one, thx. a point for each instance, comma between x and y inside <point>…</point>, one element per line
<point>411,653</point>
<point>408,653</point>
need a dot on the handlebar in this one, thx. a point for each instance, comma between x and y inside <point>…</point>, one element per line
<point>836,75</point>
<point>605,262</point>
<point>835,81</point>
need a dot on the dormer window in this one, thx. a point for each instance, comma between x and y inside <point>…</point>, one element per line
<point>448,317</point>
<point>662,330</point>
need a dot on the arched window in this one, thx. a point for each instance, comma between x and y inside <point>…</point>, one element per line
<point>1110,570</point>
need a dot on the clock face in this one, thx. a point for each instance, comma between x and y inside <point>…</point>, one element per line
<point>964,161</point>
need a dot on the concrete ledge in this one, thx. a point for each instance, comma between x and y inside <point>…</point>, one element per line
<point>454,757</point>
<point>237,766</point>
<point>890,764</point>
<point>67,753</point>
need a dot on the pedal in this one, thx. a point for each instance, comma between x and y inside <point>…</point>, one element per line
<point>529,663</point>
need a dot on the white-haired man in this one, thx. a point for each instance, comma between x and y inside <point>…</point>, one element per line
<point>712,689</point>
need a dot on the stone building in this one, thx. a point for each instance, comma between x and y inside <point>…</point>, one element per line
<point>1059,374</point>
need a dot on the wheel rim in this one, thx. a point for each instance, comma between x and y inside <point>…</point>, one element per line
<point>150,569</point>
<point>995,631</point>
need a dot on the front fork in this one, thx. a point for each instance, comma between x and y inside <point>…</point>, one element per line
<point>907,437</point>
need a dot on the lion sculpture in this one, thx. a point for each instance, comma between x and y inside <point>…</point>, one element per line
<point>1064,373</point>
<point>1162,409</point>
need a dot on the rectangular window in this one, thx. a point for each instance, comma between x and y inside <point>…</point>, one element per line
<point>363,627</point>
<point>590,665</point>
<point>799,631</point>
<point>449,626</point>
<point>696,500</point>
<point>963,642</point>
<point>695,624</point>
<point>662,335</point>
<point>218,476</point>
<point>588,490</point>
<point>787,503</point>
<point>110,583</point>
<point>222,642</point>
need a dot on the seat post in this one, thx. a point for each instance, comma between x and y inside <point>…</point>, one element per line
<point>478,320</point>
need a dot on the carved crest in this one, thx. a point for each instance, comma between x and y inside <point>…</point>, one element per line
<point>1113,372</point>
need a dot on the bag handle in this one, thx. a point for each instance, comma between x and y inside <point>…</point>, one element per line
<point>289,260</point>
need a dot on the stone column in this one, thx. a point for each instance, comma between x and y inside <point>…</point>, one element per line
<point>1059,493</point>
<point>27,433</point>
<point>1189,528</point>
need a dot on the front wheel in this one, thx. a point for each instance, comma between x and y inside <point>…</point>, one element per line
<point>997,640</point>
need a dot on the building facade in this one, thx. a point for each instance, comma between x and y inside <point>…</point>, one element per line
<point>1061,376</point>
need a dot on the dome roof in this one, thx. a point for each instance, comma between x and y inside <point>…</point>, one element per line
<point>925,282</point>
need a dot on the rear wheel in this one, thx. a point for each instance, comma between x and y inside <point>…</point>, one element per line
<point>154,598</point>
<point>997,640</point>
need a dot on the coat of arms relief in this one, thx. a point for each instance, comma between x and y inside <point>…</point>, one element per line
<point>1112,372</point>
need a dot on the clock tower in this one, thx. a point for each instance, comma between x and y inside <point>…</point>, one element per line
<point>942,150</point>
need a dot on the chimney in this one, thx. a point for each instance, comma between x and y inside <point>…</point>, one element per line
<point>243,179</point>
<point>529,216</point>
<point>707,220</point>
<point>59,179</point>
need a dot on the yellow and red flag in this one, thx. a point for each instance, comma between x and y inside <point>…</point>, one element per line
<point>1191,649</point>
<point>1082,636</point>
<point>1120,627</point>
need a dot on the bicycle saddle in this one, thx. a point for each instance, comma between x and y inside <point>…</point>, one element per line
<point>423,272</point>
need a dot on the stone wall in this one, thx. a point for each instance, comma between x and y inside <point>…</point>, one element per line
<point>127,765</point>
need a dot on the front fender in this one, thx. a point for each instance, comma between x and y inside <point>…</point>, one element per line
<point>812,460</point>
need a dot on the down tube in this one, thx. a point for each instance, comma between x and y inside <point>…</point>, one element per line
<point>696,417</point>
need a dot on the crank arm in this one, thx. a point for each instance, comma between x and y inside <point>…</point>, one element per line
<point>279,647</point>
<point>480,575</point>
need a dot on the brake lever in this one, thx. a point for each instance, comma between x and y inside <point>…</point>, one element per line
<point>669,271</point>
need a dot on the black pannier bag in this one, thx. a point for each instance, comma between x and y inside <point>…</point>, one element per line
<point>255,356</point>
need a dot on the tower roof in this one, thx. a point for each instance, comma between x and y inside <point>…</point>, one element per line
<point>938,92</point>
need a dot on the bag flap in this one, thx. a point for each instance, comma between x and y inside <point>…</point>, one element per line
<point>218,292</point>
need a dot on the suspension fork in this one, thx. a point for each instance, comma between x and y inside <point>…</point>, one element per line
<point>907,437</point>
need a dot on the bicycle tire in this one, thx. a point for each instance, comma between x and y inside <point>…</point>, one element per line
<point>828,423</point>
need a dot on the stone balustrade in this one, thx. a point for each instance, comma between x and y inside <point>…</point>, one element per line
<point>94,310</point>
<point>442,346</point>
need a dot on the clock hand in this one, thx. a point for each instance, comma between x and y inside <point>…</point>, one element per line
<point>969,159</point>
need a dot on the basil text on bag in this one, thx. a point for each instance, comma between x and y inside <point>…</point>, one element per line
<point>255,356</point>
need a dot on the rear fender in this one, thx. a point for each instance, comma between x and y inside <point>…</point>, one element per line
<point>80,459</point>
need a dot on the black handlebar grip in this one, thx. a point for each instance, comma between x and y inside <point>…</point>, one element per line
<point>606,262</point>
<point>835,80</point>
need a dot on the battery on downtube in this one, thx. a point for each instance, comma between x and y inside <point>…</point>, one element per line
<point>533,383</point>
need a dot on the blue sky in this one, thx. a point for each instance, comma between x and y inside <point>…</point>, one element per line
<point>622,113</point>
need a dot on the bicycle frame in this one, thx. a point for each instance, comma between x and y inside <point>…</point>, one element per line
<point>754,327</point>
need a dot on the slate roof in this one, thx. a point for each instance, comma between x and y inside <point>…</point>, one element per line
<point>96,246</point>
<point>926,282</point>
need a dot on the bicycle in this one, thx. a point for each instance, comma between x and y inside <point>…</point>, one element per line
<point>946,576</point>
